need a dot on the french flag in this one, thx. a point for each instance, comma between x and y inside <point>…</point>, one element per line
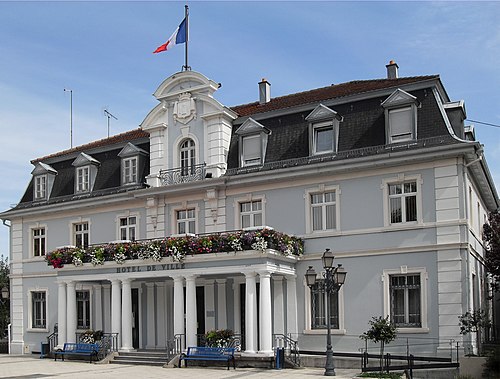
<point>177,37</point>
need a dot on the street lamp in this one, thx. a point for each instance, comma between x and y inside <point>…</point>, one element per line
<point>333,280</point>
<point>5,293</point>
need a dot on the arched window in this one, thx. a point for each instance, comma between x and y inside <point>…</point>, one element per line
<point>188,157</point>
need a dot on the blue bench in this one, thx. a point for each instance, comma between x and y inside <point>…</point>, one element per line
<point>208,354</point>
<point>90,349</point>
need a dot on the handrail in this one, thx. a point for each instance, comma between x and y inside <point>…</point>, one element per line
<point>290,345</point>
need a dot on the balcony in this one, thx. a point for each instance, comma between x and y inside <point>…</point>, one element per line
<point>182,174</point>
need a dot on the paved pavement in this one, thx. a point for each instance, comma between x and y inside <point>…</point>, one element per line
<point>30,366</point>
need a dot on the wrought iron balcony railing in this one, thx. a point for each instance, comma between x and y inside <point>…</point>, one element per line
<point>182,174</point>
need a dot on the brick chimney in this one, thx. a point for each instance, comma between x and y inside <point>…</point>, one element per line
<point>392,70</point>
<point>264,91</point>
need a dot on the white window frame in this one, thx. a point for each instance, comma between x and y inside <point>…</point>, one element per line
<point>33,238</point>
<point>400,179</point>
<point>308,311</point>
<point>404,270</point>
<point>321,189</point>
<point>393,138</point>
<point>184,207</point>
<point>74,232</point>
<point>119,227</point>
<point>31,327</point>
<point>188,156</point>
<point>251,160</point>
<point>82,179</point>
<point>130,173</point>
<point>40,187</point>
<point>246,199</point>
<point>321,126</point>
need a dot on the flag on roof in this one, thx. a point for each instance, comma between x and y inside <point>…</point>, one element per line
<point>177,37</point>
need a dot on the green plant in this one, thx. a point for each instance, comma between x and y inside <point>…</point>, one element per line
<point>383,331</point>
<point>218,338</point>
<point>474,321</point>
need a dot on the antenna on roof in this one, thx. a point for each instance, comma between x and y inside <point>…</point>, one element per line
<point>108,115</point>
<point>70,116</point>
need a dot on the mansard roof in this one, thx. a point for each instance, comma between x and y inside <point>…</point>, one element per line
<point>326,93</point>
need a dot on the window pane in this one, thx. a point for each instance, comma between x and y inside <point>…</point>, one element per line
<point>411,208</point>
<point>245,221</point>
<point>257,219</point>
<point>317,218</point>
<point>330,217</point>
<point>123,234</point>
<point>323,139</point>
<point>317,198</point>
<point>395,208</point>
<point>400,121</point>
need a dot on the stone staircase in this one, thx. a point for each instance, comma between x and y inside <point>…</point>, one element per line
<point>142,357</point>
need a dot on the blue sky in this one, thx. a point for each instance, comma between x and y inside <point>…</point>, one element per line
<point>103,52</point>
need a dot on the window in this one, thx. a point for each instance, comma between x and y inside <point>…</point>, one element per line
<point>251,214</point>
<point>128,228</point>
<point>323,138</point>
<point>40,187</point>
<point>38,309</point>
<point>252,150</point>
<point>186,221</point>
<point>401,124</point>
<point>405,297</point>
<point>82,179</point>
<point>38,241</point>
<point>323,211</point>
<point>319,301</point>
<point>188,157</point>
<point>403,202</point>
<point>81,235</point>
<point>83,309</point>
<point>400,110</point>
<point>129,173</point>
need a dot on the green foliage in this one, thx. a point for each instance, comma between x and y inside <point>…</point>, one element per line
<point>91,336</point>
<point>382,330</point>
<point>472,321</point>
<point>492,365</point>
<point>491,233</point>
<point>218,338</point>
<point>4,303</point>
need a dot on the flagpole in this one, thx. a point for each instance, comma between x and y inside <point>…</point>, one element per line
<point>186,66</point>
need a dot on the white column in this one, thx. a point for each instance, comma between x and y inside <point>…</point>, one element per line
<point>61,314</point>
<point>221,304</point>
<point>169,306</point>
<point>71,312</point>
<point>209,305</point>
<point>98,307</point>
<point>106,308</point>
<point>160,315</point>
<point>265,337</point>
<point>278,304</point>
<point>126,315</point>
<point>291,312</point>
<point>116,312</point>
<point>191,319</point>
<point>250,313</point>
<point>236,308</point>
<point>179,307</point>
<point>150,299</point>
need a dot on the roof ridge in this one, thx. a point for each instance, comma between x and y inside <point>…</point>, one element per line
<point>96,143</point>
<point>338,85</point>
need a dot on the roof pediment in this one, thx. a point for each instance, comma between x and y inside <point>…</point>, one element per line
<point>322,112</point>
<point>131,150</point>
<point>43,168</point>
<point>399,97</point>
<point>250,126</point>
<point>84,159</point>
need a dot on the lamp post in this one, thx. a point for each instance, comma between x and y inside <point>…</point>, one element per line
<point>333,280</point>
<point>5,293</point>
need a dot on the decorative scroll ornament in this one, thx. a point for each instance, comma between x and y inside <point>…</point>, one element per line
<point>184,108</point>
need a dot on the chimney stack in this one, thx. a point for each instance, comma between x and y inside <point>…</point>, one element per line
<point>392,70</point>
<point>264,91</point>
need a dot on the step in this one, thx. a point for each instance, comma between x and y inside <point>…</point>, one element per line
<point>144,355</point>
<point>138,363</point>
<point>138,358</point>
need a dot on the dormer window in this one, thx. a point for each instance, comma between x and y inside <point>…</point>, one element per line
<point>323,130</point>
<point>131,156</point>
<point>252,143</point>
<point>43,180</point>
<point>85,173</point>
<point>400,117</point>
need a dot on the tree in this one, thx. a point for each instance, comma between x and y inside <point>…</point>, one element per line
<point>4,303</point>
<point>383,331</point>
<point>491,232</point>
<point>474,321</point>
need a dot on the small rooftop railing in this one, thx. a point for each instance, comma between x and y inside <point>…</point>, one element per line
<point>182,174</point>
